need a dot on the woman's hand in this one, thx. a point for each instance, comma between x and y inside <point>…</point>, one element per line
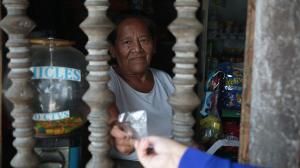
<point>123,140</point>
<point>157,152</point>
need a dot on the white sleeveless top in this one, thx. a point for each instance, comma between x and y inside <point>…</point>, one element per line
<point>155,103</point>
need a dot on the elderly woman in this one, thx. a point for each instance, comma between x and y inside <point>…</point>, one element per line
<point>136,86</point>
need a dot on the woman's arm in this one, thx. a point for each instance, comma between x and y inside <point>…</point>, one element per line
<point>121,140</point>
<point>113,112</point>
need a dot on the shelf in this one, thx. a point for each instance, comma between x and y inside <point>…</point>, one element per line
<point>226,36</point>
<point>226,113</point>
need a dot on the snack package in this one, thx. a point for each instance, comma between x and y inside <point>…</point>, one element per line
<point>231,134</point>
<point>134,123</point>
<point>232,89</point>
<point>210,129</point>
<point>209,104</point>
<point>209,124</point>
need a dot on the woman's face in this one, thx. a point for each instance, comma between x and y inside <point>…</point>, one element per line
<point>133,47</point>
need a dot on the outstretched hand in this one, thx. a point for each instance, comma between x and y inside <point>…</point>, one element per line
<point>123,140</point>
<point>157,152</point>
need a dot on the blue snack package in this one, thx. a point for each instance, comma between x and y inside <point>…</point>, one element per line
<point>231,91</point>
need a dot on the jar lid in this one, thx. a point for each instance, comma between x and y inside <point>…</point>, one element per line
<point>51,41</point>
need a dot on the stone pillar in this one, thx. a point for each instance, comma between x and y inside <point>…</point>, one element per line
<point>275,107</point>
<point>21,92</point>
<point>185,28</point>
<point>98,97</point>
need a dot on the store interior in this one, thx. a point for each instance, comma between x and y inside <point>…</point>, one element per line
<point>219,68</point>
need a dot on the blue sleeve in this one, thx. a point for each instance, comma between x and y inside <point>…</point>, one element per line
<point>194,158</point>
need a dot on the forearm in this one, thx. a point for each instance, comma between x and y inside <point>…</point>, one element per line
<point>113,113</point>
<point>194,158</point>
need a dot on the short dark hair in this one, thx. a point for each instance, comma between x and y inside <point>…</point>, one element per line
<point>111,38</point>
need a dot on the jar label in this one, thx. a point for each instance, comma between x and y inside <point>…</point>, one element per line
<point>55,72</point>
<point>51,116</point>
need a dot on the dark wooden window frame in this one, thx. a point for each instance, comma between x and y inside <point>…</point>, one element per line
<point>246,103</point>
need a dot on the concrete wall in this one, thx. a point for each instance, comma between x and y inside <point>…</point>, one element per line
<point>275,106</point>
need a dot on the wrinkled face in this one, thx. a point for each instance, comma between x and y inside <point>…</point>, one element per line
<point>133,47</point>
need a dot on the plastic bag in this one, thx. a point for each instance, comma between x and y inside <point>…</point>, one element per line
<point>134,123</point>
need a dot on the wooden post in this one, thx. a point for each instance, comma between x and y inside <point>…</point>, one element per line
<point>185,28</point>
<point>245,114</point>
<point>21,92</point>
<point>98,97</point>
